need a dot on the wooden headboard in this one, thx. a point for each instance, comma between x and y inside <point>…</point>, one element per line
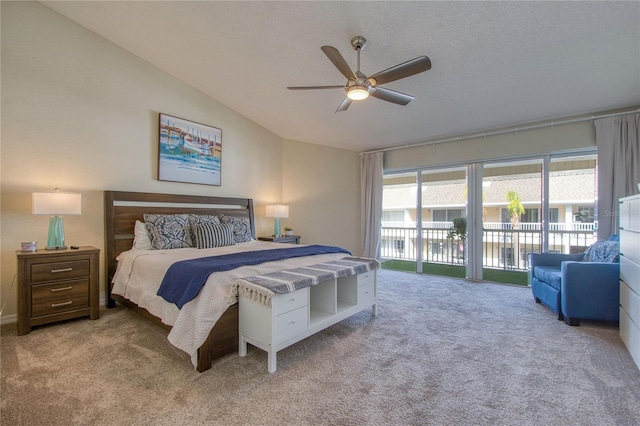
<point>122,209</point>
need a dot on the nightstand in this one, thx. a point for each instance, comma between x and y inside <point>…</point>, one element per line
<point>293,239</point>
<point>56,285</point>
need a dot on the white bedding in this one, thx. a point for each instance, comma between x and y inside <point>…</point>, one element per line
<point>140,273</point>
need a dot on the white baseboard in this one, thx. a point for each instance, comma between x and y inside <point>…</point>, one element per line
<point>8,319</point>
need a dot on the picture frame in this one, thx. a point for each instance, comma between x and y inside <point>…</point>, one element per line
<point>188,151</point>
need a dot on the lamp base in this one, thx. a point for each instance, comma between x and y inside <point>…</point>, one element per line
<point>276,227</point>
<point>55,239</point>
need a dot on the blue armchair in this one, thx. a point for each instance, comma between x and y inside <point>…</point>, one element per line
<point>576,287</point>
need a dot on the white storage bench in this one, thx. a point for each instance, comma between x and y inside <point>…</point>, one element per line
<point>293,316</point>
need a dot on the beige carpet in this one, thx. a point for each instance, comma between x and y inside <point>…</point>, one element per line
<point>441,351</point>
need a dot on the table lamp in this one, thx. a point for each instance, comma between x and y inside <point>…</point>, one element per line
<point>56,204</point>
<point>277,211</point>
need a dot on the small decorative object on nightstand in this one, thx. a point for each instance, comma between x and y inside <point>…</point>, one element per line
<point>291,239</point>
<point>288,232</point>
<point>57,285</point>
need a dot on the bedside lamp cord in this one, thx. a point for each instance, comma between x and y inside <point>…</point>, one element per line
<point>5,302</point>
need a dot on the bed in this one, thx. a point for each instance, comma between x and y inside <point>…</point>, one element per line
<point>207,326</point>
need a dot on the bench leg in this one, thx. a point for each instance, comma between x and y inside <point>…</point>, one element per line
<point>242,345</point>
<point>271,361</point>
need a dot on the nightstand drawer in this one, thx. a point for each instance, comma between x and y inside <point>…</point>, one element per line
<point>54,298</point>
<point>50,271</point>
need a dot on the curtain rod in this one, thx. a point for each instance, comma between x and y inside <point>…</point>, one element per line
<point>498,132</point>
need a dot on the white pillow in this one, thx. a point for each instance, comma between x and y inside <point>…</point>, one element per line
<point>141,240</point>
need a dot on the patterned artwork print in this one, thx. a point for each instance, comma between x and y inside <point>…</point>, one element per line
<point>189,152</point>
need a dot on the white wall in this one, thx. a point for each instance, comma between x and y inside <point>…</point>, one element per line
<point>322,188</point>
<point>81,114</point>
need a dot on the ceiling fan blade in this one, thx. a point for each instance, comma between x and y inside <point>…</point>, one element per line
<point>344,105</point>
<point>314,87</point>
<point>391,96</point>
<point>338,61</point>
<point>406,69</point>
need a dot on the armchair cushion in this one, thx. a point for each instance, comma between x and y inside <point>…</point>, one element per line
<point>550,275</point>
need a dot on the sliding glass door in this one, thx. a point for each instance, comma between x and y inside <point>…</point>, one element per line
<point>512,212</point>
<point>481,220</point>
<point>444,218</point>
<point>572,203</point>
<point>398,247</point>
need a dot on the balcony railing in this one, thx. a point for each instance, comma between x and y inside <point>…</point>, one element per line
<point>503,247</point>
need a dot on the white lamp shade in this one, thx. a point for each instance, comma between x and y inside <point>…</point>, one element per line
<point>278,210</point>
<point>56,203</point>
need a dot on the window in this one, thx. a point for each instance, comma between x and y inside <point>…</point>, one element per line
<point>529,216</point>
<point>393,216</point>
<point>585,214</point>
<point>554,215</point>
<point>446,215</point>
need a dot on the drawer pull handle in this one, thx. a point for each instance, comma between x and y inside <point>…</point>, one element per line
<point>293,299</point>
<point>53,290</point>
<point>54,271</point>
<point>292,322</point>
<point>57,305</point>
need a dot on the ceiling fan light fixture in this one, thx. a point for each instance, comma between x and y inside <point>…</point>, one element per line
<point>357,93</point>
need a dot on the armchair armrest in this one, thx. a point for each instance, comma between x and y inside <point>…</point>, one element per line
<point>590,290</point>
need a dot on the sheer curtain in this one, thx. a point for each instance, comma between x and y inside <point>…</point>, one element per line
<point>371,203</point>
<point>618,144</point>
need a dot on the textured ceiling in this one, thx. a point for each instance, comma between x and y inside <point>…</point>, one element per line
<point>494,63</point>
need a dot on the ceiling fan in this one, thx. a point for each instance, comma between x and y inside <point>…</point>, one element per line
<point>359,86</point>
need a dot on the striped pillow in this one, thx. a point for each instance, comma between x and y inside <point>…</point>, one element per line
<point>209,235</point>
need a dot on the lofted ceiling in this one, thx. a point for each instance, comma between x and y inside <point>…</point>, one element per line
<point>493,63</point>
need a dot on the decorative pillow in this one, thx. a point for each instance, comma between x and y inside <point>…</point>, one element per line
<point>209,235</point>
<point>169,231</point>
<point>241,227</point>
<point>200,219</point>
<point>602,251</point>
<point>141,239</point>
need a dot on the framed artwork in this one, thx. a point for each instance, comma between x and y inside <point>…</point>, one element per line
<point>189,152</point>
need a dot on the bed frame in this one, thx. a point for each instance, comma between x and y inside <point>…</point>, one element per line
<point>122,209</point>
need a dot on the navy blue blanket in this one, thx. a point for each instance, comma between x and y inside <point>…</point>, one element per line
<point>185,278</point>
